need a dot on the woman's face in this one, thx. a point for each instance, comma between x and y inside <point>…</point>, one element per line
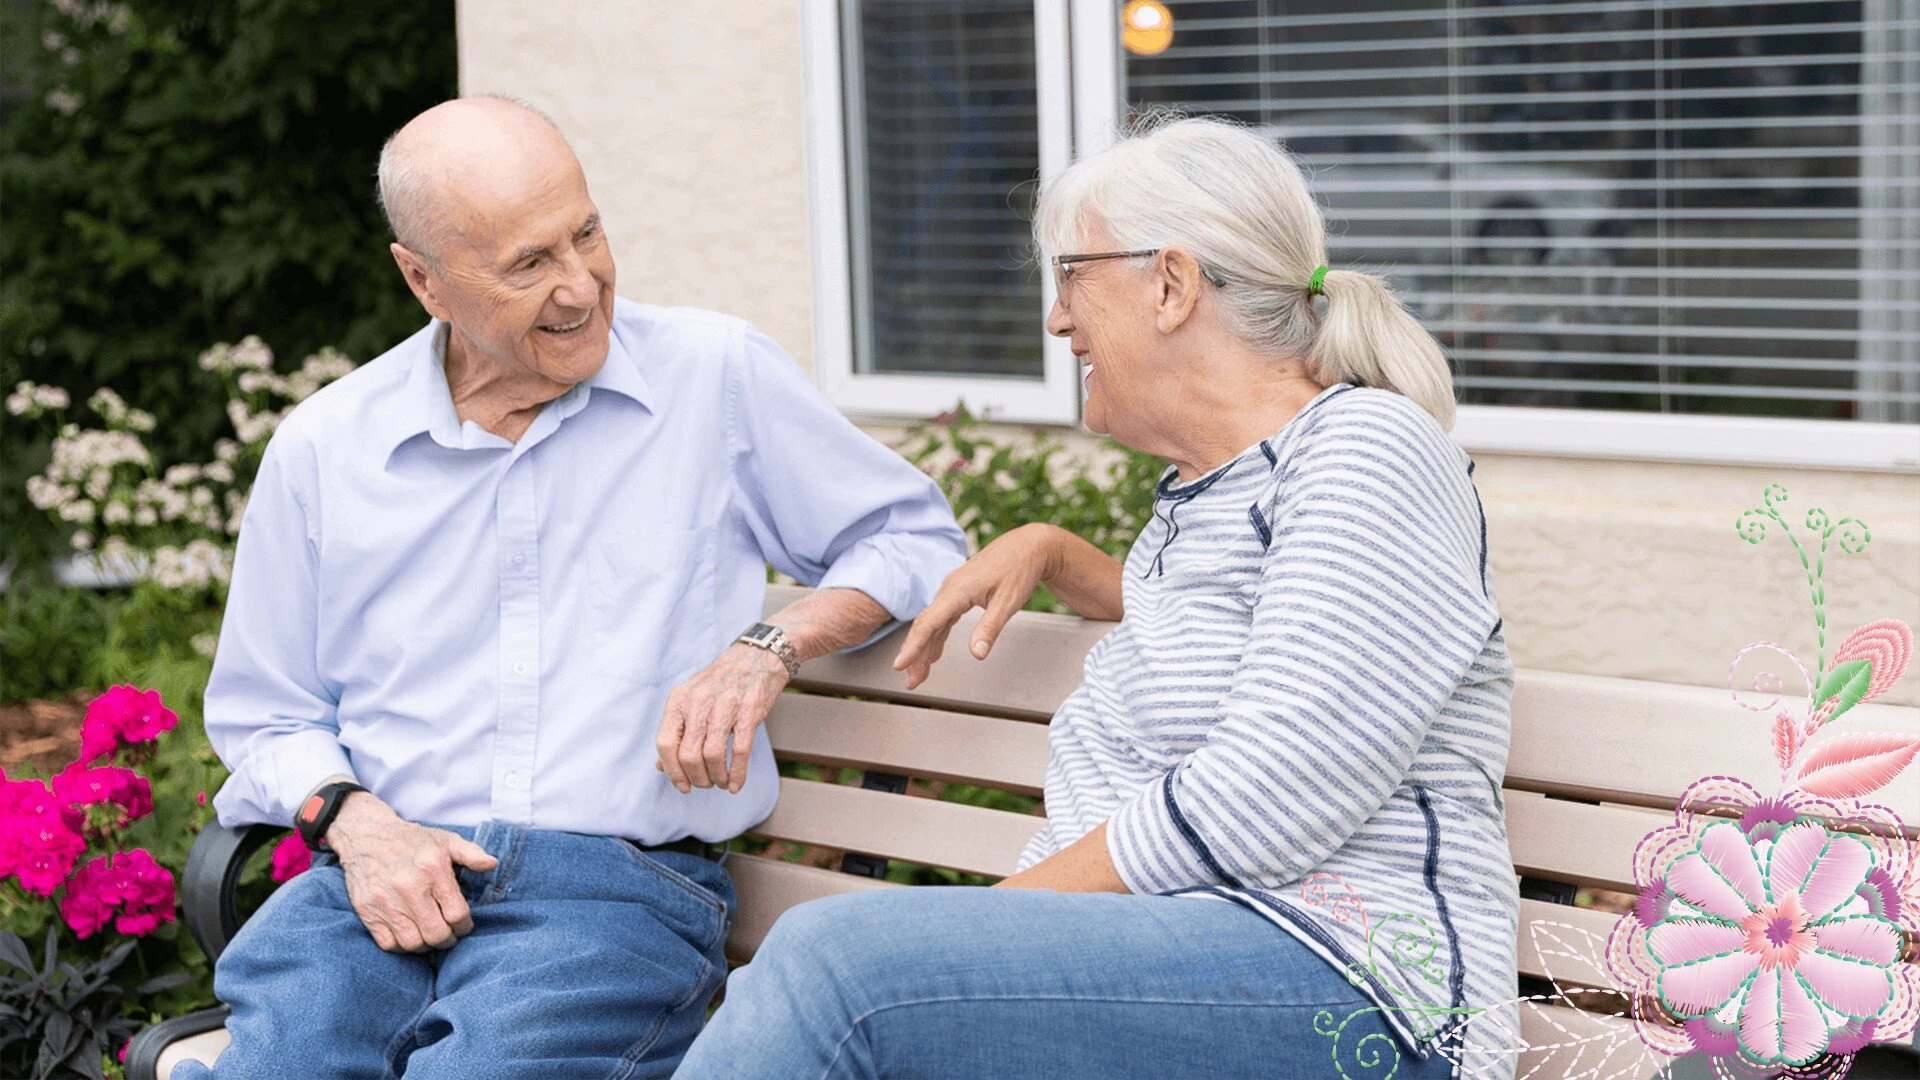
<point>1105,310</point>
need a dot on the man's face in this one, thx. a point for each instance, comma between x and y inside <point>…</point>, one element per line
<point>528,279</point>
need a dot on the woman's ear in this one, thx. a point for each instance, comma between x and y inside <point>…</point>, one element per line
<point>1177,284</point>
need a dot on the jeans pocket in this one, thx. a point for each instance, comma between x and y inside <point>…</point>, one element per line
<point>714,907</point>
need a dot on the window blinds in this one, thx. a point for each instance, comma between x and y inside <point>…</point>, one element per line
<point>943,146</point>
<point>1687,206</point>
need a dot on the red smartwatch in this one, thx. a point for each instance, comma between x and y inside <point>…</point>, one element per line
<point>318,812</point>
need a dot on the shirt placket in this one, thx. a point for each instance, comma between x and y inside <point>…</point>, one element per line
<point>517,526</point>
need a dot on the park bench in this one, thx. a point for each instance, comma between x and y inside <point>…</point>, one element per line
<point>1596,764</point>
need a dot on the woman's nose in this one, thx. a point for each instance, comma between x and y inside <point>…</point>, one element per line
<point>1059,319</point>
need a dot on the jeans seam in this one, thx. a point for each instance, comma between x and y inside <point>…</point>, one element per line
<point>684,884</point>
<point>638,1051</point>
<point>840,1048</point>
<point>503,873</point>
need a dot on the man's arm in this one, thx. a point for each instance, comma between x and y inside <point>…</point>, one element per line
<point>734,694</point>
<point>830,507</point>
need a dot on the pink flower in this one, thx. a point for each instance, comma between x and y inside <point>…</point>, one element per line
<point>79,785</point>
<point>39,835</point>
<point>1773,939</point>
<point>291,858</point>
<point>121,716</point>
<point>130,890</point>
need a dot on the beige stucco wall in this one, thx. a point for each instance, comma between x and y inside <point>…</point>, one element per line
<point>688,116</point>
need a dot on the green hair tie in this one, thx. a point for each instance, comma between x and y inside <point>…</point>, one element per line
<point>1316,285</point>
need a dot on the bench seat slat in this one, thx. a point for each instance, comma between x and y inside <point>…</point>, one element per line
<point>950,835</point>
<point>1007,754</point>
<point>1539,830</point>
<point>1563,1042</point>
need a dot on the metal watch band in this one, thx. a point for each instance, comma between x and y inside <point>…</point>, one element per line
<point>774,640</point>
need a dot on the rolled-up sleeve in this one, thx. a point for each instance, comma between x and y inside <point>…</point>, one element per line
<point>269,715</point>
<point>1368,618</point>
<point>828,504</point>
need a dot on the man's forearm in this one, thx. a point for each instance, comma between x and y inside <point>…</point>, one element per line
<point>828,620</point>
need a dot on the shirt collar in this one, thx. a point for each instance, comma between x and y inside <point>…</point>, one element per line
<point>424,405</point>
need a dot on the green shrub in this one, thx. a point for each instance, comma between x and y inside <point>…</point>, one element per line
<point>184,171</point>
<point>997,486</point>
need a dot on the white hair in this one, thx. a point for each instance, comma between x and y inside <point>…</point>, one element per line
<point>1238,203</point>
<point>407,189</point>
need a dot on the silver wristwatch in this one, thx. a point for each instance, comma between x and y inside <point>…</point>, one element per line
<point>774,640</point>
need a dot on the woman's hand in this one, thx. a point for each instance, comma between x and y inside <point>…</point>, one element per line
<point>999,580</point>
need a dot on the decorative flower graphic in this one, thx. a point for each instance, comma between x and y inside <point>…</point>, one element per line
<point>1776,938</point>
<point>1778,933</point>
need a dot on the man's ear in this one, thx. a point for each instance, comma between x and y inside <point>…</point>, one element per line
<point>1177,283</point>
<point>421,279</point>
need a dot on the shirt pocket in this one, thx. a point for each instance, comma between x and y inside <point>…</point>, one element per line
<point>653,607</point>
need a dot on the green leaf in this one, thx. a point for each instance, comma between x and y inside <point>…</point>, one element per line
<point>14,951</point>
<point>1847,682</point>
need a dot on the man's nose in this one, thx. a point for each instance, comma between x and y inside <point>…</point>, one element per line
<point>579,289</point>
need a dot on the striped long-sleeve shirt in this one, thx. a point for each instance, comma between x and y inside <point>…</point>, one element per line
<point>1310,679</point>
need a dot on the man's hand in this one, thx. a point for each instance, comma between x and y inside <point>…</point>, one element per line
<point>724,703</point>
<point>400,875</point>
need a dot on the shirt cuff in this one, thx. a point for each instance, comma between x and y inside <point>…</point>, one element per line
<point>269,786</point>
<point>873,570</point>
<point>1155,849</point>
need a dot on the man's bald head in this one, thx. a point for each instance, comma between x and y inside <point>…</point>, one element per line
<point>456,151</point>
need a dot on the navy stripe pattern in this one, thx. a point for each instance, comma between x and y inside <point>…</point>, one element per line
<point>1326,693</point>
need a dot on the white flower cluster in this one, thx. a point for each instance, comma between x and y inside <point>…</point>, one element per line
<point>195,566</point>
<point>63,101</point>
<point>116,17</point>
<point>251,354</point>
<point>114,410</point>
<point>175,527</point>
<point>315,372</point>
<point>31,400</point>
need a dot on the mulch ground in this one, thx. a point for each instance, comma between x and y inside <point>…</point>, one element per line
<point>41,736</point>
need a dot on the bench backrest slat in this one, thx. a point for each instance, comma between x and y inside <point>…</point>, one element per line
<point>1629,741</point>
<point>951,835</point>
<point>925,743</point>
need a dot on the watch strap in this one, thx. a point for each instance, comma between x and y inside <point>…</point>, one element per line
<point>317,813</point>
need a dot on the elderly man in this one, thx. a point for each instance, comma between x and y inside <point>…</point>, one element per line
<point>493,641</point>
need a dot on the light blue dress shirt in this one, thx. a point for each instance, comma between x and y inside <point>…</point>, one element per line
<point>477,629</point>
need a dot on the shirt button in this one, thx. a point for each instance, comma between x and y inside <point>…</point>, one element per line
<point>519,561</point>
<point>515,780</point>
<point>519,669</point>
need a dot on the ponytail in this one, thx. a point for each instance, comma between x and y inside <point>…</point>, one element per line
<point>1368,338</point>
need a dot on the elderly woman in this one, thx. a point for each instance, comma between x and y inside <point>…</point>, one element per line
<point>1274,842</point>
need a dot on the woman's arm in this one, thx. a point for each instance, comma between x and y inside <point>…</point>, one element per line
<point>999,580</point>
<point>1082,866</point>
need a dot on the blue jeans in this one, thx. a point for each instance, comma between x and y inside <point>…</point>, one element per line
<point>935,983</point>
<point>588,958</point>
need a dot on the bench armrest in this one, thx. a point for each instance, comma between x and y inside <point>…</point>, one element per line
<point>213,872</point>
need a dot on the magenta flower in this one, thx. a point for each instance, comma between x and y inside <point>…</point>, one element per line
<point>79,785</point>
<point>291,858</point>
<point>130,891</point>
<point>39,836</point>
<point>124,715</point>
<point>1773,939</point>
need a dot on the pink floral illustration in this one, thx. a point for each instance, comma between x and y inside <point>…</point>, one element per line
<point>1775,940</point>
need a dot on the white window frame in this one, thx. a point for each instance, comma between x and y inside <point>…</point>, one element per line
<point>1052,399</point>
<point>1080,96</point>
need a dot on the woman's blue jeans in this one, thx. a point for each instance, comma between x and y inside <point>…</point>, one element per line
<point>940,983</point>
<point>588,958</point>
